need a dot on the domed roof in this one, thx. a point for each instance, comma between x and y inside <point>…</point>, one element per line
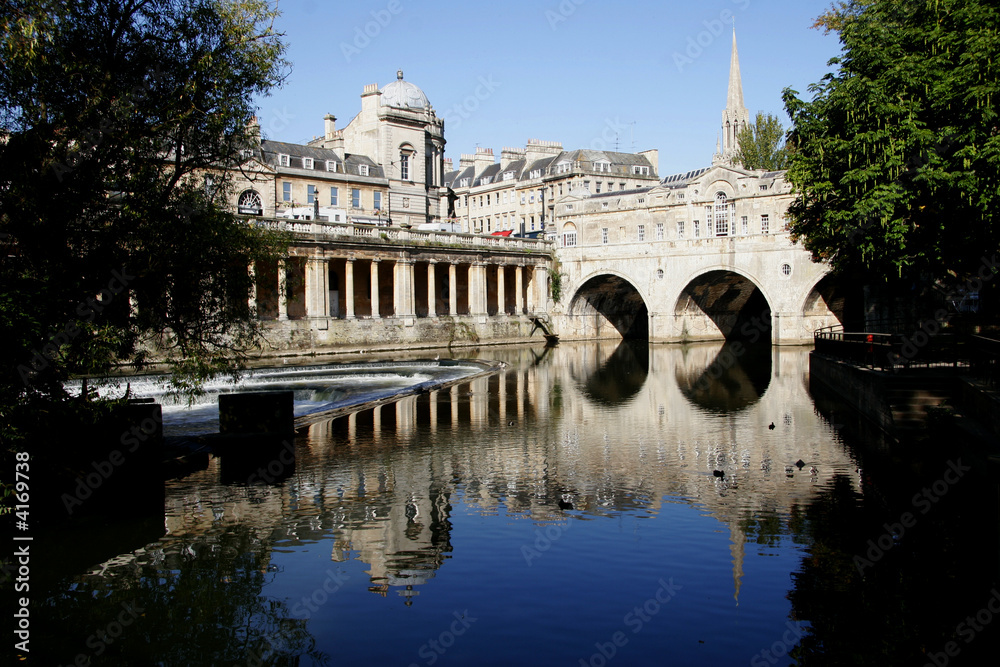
<point>403,94</point>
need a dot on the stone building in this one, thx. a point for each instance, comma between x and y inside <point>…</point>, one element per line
<point>518,193</point>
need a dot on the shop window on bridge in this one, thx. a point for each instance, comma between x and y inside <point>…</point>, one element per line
<point>249,203</point>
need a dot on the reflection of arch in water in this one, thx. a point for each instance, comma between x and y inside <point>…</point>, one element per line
<point>724,303</point>
<point>611,299</point>
<point>735,379</point>
<point>621,376</point>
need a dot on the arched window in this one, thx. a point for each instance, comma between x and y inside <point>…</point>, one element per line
<point>249,203</point>
<point>722,214</point>
<point>569,235</point>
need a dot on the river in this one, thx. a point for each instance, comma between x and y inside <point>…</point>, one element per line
<point>591,504</point>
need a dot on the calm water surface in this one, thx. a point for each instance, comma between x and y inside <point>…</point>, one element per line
<point>592,504</point>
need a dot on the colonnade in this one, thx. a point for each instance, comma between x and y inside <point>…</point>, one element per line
<point>374,287</point>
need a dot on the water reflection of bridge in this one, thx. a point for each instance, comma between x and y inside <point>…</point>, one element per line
<point>607,429</point>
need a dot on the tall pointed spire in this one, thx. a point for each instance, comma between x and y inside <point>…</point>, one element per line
<point>735,116</point>
<point>734,100</point>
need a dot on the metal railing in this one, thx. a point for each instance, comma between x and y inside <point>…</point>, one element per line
<point>909,347</point>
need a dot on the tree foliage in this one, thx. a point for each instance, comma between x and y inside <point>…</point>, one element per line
<point>761,145</point>
<point>897,156</point>
<point>119,123</point>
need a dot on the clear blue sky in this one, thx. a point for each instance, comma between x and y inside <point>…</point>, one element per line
<point>575,71</point>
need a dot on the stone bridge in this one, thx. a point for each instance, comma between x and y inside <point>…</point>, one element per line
<point>758,287</point>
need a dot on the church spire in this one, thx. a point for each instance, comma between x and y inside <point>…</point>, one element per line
<point>735,116</point>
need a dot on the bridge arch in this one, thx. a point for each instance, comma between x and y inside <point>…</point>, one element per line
<point>607,301</point>
<point>723,302</point>
<point>830,300</point>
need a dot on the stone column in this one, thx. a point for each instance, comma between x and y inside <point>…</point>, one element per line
<point>282,290</point>
<point>431,289</point>
<point>374,294</point>
<point>403,297</point>
<point>501,289</point>
<point>453,289</point>
<point>477,289</point>
<point>538,293</point>
<point>349,288</point>
<point>317,288</point>
<point>519,289</point>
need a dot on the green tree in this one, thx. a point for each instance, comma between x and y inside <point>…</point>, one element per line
<point>761,145</point>
<point>897,155</point>
<point>121,122</point>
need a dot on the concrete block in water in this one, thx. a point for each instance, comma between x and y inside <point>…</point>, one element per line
<point>259,413</point>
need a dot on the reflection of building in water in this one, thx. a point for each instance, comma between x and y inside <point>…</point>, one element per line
<point>598,427</point>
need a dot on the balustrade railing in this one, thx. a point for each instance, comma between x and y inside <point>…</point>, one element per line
<point>335,230</point>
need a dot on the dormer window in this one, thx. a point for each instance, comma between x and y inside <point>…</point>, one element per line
<point>331,165</point>
<point>640,170</point>
<point>535,173</point>
<point>246,153</point>
<point>602,166</point>
<point>508,176</point>
<point>463,183</point>
<point>307,163</point>
<point>284,160</point>
<point>562,168</point>
<point>363,169</point>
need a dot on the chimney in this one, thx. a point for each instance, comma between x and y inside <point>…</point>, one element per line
<point>537,149</point>
<point>508,155</point>
<point>329,125</point>
<point>483,159</point>
<point>467,160</point>
<point>448,165</point>
<point>653,155</point>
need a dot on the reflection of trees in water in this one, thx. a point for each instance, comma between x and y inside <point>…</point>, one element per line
<point>909,601</point>
<point>735,379</point>
<point>621,376</point>
<point>197,603</point>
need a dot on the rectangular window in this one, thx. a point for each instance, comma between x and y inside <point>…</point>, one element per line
<point>283,160</point>
<point>363,169</point>
<point>334,197</point>
<point>621,186</point>
<point>680,229</point>
<point>404,167</point>
<point>569,239</point>
<point>532,223</point>
<point>331,165</point>
<point>765,224</point>
<point>586,186</point>
<point>286,191</point>
<point>307,163</point>
<point>604,235</point>
<point>522,198</point>
<point>535,173</point>
<point>744,225</point>
<point>377,201</point>
<point>642,232</point>
<point>505,196</point>
<point>659,231</point>
<point>763,187</point>
<point>310,194</point>
<point>532,198</point>
<point>697,229</point>
<point>355,197</point>
<point>597,187</point>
